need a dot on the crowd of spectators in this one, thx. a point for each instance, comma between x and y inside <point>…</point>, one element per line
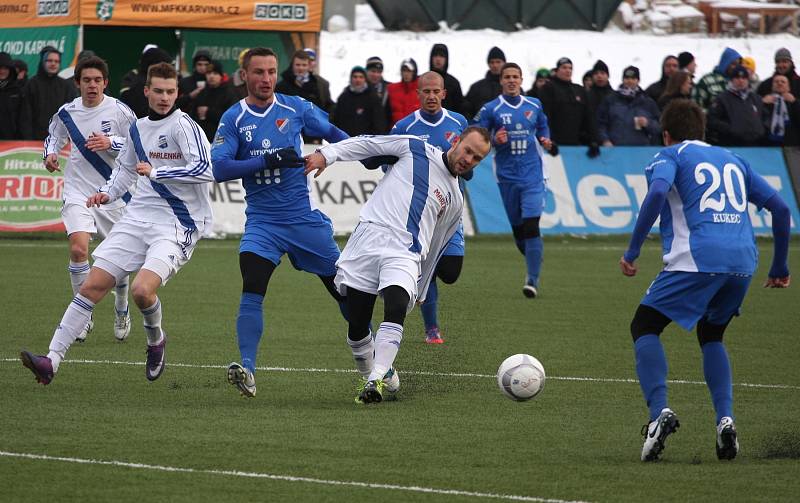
<point>741,109</point>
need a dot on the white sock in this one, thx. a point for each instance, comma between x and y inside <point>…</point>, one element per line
<point>78,271</point>
<point>363,354</point>
<point>75,319</point>
<point>387,343</point>
<point>152,323</point>
<point>121,295</point>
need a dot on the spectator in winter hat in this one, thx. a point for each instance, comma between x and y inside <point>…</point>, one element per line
<point>567,108</point>
<point>542,77</point>
<point>601,88</point>
<point>488,88</point>
<point>10,98</point>
<point>736,118</point>
<point>189,87</point>
<point>587,80</point>
<point>403,95</point>
<point>379,85</point>
<point>44,94</point>
<point>629,116</point>
<point>358,109</point>
<point>783,66</point>
<point>687,63</point>
<point>668,67</point>
<point>750,63</point>
<point>439,62</point>
<point>214,100</point>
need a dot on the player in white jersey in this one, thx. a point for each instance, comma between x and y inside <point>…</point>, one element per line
<point>402,232</point>
<point>167,155</point>
<point>97,126</point>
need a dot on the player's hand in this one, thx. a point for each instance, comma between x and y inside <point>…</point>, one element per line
<point>98,142</point>
<point>315,162</point>
<point>144,168</point>
<point>97,199</point>
<point>593,151</point>
<point>608,143</point>
<point>628,268</point>
<point>778,282</point>
<point>547,143</point>
<point>283,158</point>
<point>51,162</point>
<point>501,136</point>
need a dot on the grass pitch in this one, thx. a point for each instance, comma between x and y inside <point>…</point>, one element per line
<point>101,432</point>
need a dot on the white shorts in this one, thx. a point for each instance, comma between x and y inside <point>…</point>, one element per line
<point>79,218</point>
<point>134,245</point>
<point>375,258</point>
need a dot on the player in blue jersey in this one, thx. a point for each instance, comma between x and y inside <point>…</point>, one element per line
<point>701,194</point>
<point>259,140</point>
<point>519,128</point>
<point>441,128</point>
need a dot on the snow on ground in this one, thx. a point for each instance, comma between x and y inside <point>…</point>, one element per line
<point>531,49</point>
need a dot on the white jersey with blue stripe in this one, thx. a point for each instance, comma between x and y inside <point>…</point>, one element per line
<point>178,188</point>
<point>245,132</point>
<point>87,171</point>
<point>705,225</point>
<point>520,158</point>
<point>418,199</point>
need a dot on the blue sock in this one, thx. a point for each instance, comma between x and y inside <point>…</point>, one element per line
<point>534,249</point>
<point>430,306</point>
<point>717,370</point>
<point>249,326</point>
<point>651,367</point>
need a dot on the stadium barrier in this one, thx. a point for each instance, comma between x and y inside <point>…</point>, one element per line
<point>586,196</point>
<point>603,195</point>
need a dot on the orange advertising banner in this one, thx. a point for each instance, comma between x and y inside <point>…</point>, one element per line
<point>34,13</point>
<point>277,15</point>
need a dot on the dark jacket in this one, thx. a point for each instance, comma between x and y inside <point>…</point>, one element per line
<point>43,96</point>
<point>596,95</point>
<point>218,100</point>
<point>455,98</point>
<point>358,113</point>
<point>733,121</point>
<point>10,101</point>
<point>381,90</point>
<point>188,84</point>
<point>615,119</point>
<point>791,137</point>
<point>765,87</point>
<point>310,89</point>
<point>324,94</point>
<point>134,96</point>
<point>481,93</point>
<point>568,114</point>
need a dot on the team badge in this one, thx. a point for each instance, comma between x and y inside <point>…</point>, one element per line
<point>104,9</point>
<point>105,126</point>
<point>451,137</point>
<point>528,114</point>
<point>281,124</point>
<point>265,143</point>
<point>162,141</point>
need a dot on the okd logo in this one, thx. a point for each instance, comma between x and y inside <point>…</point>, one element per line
<point>104,9</point>
<point>280,12</point>
<point>52,8</point>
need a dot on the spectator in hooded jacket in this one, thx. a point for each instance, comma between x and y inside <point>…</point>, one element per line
<point>22,71</point>
<point>379,85</point>
<point>213,100</point>
<point>687,63</point>
<point>488,88</point>
<point>440,60</point>
<point>736,118</point>
<point>679,86</point>
<point>189,87</point>
<point>669,66</point>
<point>714,83</point>
<point>567,109</point>
<point>782,113</point>
<point>403,97</point>
<point>783,66</point>
<point>10,98</point>
<point>44,94</point>
<point>542,77</point>
<point>601,88</point>
<point>134,95</point>
<point>629,116</point>
<point>358,109</point>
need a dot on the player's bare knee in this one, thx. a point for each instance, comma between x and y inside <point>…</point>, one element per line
<point>648,321</point>
<point>143,294</point>
<point>79,252</point>
<point>530,228</point>
<point>709,332</point>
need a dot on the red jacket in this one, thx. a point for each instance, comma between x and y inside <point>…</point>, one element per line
<point>403,99</point>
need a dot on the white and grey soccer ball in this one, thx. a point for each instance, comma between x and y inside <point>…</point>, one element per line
<point>521,377</point>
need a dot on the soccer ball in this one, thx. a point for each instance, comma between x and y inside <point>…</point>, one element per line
<point>521,377</point>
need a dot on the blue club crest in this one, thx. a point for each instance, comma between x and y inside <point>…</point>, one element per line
<point>105,127</point>
<point>162,141</point>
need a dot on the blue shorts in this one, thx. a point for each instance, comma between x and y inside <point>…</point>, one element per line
<point>455,247</point>
<point>310,245</point>
<point>688,297</point>
<point>522,200</point>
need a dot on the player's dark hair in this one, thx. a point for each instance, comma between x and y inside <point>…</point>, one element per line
<point>478,130</point>
<point>257,51</point>
<point>161,70</point>
<point>510,65</point>
<point>300,54</point>
<point>683,119</point>
<point>91,62</point>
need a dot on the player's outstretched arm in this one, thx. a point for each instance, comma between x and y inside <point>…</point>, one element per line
<point>363,147</point>
<point>778,276</point>
<point>651,207</point>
